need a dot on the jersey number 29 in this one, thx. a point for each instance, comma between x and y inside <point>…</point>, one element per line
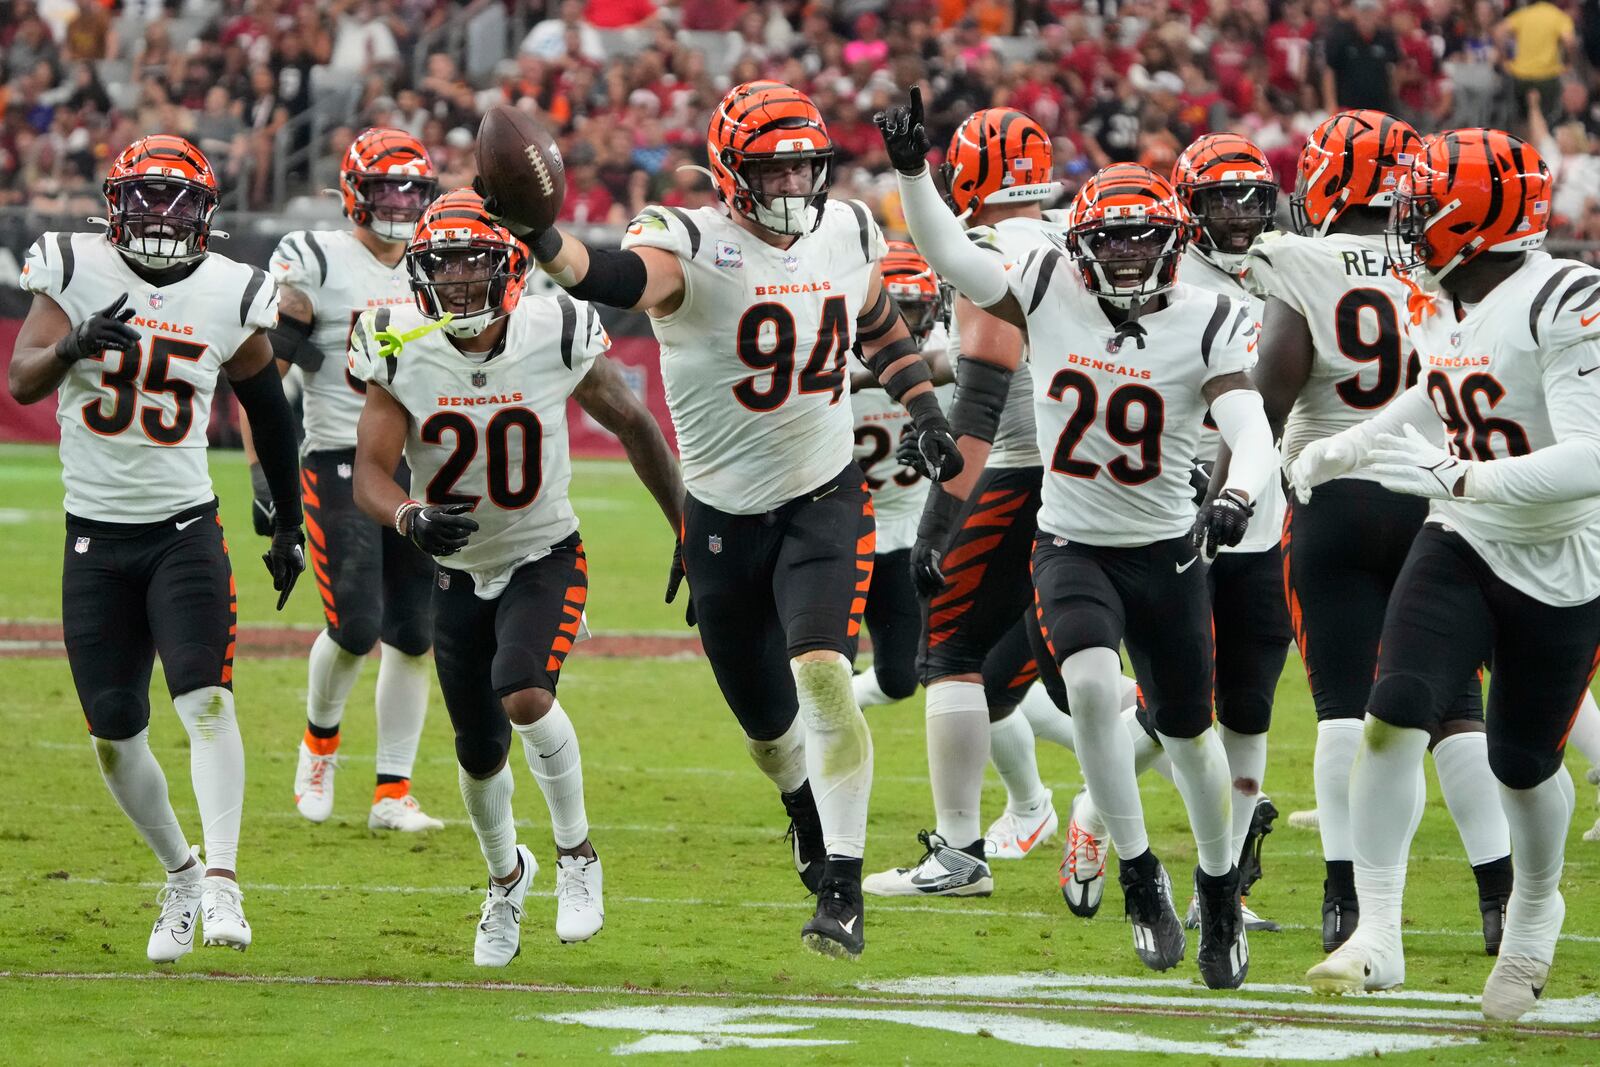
<point>1146,436</point>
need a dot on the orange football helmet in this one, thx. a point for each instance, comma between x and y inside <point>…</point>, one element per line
<point>463,262</point>
<point>1227,186</point>
<point>386,180</point>
<point>160,196</point>
<point>1127,232</point>
<point>1469,192</point>
<point>771,156</point>
<point>998,155</point>
<point>1354,159</point>
<point>915,289</point>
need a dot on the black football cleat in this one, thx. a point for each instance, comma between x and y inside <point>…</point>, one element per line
<point>805,837</point>
<point>1339,918</point>
<point>1261,821</point>
<point>1158,936</point>
<point>1494,923</point>
<point>1224,955</point>
<point>838,928</point>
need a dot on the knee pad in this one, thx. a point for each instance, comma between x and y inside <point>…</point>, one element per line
<point>482,751</point>
<point>1182,721</point>
<point>826,693</point>
<point>516,667</point>
<point>1245,713</point>
<point>1518,765</point>
<point>194,666</point>
<point>896,683</point>
<point>1401,699</point>
<point>117,714</point>
<point>412,635</point>
<point>357,634</point>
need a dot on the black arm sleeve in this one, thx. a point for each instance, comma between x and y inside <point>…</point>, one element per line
<point>616,279</point>
<point>902,380</point>
<point>981,390</point>
<point>291,342</point>
<point>272,425</point>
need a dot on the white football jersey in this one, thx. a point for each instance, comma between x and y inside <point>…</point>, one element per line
<point>898,492</point>
<point>1266,527</point>
<point>1120,423</point>
<point>342,279</point>
<point>1356,308</point>
<point>491,432</point>
<point>133,424</point>
<point>1514,376</point>
<point>753,360</point>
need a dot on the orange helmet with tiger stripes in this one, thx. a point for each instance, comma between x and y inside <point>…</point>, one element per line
<point>160,196</point>
<point>1354,159</point>
<point>1127,231</point>
<point>464,264</point>
<point>1227,185</point>
<point>386,180</point>
<point>1468,193</point>
<point>771,156</point>
<point>915,289</point>
<point>998,155</point>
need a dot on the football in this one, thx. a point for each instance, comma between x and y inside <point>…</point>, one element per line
<point>520,166</point>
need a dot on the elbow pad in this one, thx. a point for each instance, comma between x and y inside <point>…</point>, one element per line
<point>616,279</point>
<point>981,390</point>
<point>291,342</point>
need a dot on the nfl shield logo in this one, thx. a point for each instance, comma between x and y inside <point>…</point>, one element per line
<point>82,546</point>
<point>1114,345</point>
<point>156,300</point>
<point>345,471</point>
<point>444,579</point>
<point>480,379</point>
<point>714,545</point>
<point>791,264</point>
<point>1455,339</point>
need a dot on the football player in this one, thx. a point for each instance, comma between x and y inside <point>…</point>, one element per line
<point>1503,572</point>
<point>470,386</point>
<point>1133,362</point>
<point>129,330</point>
<point>1333,352</point>
<point>757,303</point>
<point>374,584</point>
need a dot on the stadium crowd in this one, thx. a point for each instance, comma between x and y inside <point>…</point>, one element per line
<point>629,82</point>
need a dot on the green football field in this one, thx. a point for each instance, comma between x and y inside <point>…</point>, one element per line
<point>363,944</point>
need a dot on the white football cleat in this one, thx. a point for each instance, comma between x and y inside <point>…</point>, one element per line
<point>313,784</point>
<point>943,871</point>
<point>1305,820</point>
<point>222,913</point>
<point>1360,965</point>
<point>1592,834</point>
<point>1083,862</point>
<point>403,814</point>
<point>172,937</point>
<point>580,905</point>
<point>1514,987</point>
<point>1014,834</point>
<point>499,936</point>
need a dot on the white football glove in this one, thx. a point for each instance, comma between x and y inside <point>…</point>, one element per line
<point>1321,461</point>
<point>1410,463</point>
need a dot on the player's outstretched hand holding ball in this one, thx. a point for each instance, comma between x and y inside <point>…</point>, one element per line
<point>441,531</point>
<point>905,135</point>
<point>520,173</point>
<point>106,329</point>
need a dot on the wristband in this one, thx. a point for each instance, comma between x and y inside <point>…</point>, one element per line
<point>401,512</point>
<point>545,245</point>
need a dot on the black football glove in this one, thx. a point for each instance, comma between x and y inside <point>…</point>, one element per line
<point>107,328</point>
<point>544,244</point>
<point>263,512</point>
<point>933,533</point>
<point>905,136</point>
<point>441,531</point>
<point>1221,523</point>
<point>286,560</point>
<point>675,578</point>
<point>929,448</point>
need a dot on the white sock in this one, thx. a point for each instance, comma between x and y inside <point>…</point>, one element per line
<point>783,759</point>
<point>489,808</point>
<point>1094,689</point>
<point>331,675</point>
<point>1585,735</point>
<point>1539,818</point>
<point>216,767</point>
<point>1011,750</point>
<point>1247,764</point>
<point>838,752</point>
<point>1462,761</point>
<point>1337,743</point>
<point>402,706</point>
<point>139,787</point>
<point>868,694</point>
<point>1047,720</point>
<point>551,745</point>
<point>1200,765</point>
<point>1387,794</point>
<point>958,749</point>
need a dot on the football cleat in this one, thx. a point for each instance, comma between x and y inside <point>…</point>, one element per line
<point>838,928</point>
<point>172,937</point>
<point>1224,954</point>
<point>313,784</point>
<point>1494,922</point>
<point>403,814</point>
<point>1083,862</point>
<point>1305,820</point>
<point>805,837</point>
<point>1592,834</point>
<point>942,871</point>
<point>1340,916</point>
<point>1252,922</point>
<point>1514,985</point>
<point>1359,967</point>
<point>580,906</point>
<point>499,936</point>
<point>1158,936</point>
<point>222,913</point>
<point>1014,834</point>
<point>1261,820</point>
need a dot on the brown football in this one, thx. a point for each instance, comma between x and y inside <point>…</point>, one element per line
<point>520,167</point>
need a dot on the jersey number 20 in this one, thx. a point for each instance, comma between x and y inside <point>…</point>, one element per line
<point>113,417</point>
<point>497,438</point>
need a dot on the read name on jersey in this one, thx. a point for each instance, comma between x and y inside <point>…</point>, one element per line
<point>133,424</point>
<point>490,433</point>
<point>753,359</point>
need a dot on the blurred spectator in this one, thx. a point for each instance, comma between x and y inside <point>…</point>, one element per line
<point>1289,45</point>
<point>1575,169</point>
<point>86,91</point>
<point>1471,83</point>
<point>362,42</point>
<point>618,14</point>
<point>89,35</point>
<point>1539,38</point>
<point>218,130</point>
<point>1359,61</point>
<point>30,42</point>
<point>710,15</point>
<point>549,39</point>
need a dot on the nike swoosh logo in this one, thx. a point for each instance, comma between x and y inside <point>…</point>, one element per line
<point>850,927</point>
<point>1587,319</point>
<point>184,525</point>
<point>1027,843</point>
<point>1251,347</point>
<point>554,754</point>
<point>825,492</point>
<point>1185,566</point>
<point>1590,370</point>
